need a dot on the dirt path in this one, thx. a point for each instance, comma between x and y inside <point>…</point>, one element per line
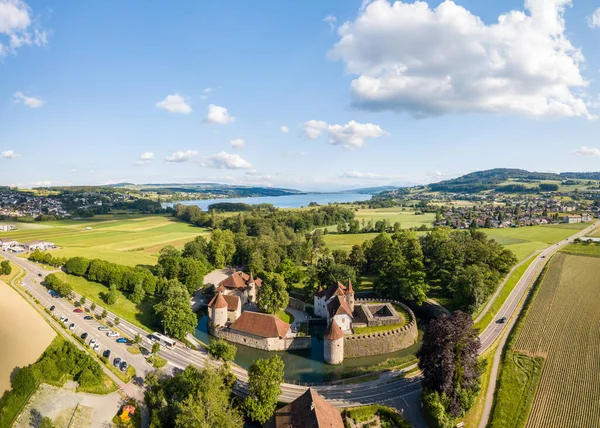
<point>24,334</point>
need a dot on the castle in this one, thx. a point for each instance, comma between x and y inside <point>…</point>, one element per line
<point>336,303</point>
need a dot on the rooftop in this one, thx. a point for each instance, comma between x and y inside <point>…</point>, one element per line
<point>264,325</point>
<point>309,410</point>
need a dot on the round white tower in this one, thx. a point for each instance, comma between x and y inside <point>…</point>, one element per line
<point>219,311</point>
<point>333,352</point>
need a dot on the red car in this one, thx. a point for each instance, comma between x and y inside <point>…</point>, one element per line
<point>77,311</point>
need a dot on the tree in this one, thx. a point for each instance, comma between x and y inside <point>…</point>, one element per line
<point>192,273</point>
<point>221,248</point>
<point>222,350</point>
<point>104,314</point>
<point>155,348</point>
<point>77,266</point>
<point>5,268</point>
<point>273,294</point>
<point>264,386</point>
<point>82,300</point>
<point>93,307</point>
<point>117,321</point>
<point>110,298</point>
<point>448,359</point>
<point>175,310</point>
<point>357,258</point>
<point>137,339</point>
<point>138,294</point>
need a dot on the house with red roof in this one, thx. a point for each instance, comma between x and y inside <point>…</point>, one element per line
<point>310,410</point>
<point>242,285</point>
<point>336,304</point>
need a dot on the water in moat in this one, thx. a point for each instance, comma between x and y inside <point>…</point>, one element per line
<point>306,365</point>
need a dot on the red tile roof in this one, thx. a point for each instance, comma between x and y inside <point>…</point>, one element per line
<point>264,325</point>
<point>233,302</point>
<point>218,301</point>
<point>309,410</point>
<point>239,279</point>
<point>334,331</point>
<point>338,305</point>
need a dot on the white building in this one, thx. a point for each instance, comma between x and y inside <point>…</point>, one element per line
<point>6,227</point>
<point>5,244</point>
<point>38,245</point>
<point>336,304</point>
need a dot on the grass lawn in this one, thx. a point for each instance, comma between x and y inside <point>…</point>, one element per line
<point>585,249</point>
<point>15,271</point>
<point>401,311</point>
<point>124,239</point>
<point>524,241</point>
<point>141,315</point>
<point>407,219</point>
<point>503,295</point>
<point>285,316</point>
<point>347,241</point>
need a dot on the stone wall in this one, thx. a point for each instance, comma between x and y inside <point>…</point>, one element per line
<point>264,343</point>
<point>364,313</point>
<point>362,345</point>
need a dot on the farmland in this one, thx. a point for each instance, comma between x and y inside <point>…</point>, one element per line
<point>124,239</point>
<point>555,351</point>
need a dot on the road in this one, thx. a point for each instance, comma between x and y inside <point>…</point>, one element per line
<point>399,393</point>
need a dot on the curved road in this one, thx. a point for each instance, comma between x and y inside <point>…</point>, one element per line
<point>402,394</point>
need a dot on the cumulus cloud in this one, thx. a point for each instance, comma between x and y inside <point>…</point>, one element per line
<point>594,19</point>
<point>9,154</point>
<point>175,104</point>
<point>409,57</point>
<point>350,135</point>
<point>587,151</point>
<point>31,102</point>
<point>219,115</point>
<point>145,159</point>
<point>237,143</point>
<point>182,156</point>
<point>17,28</point>
<point>331,20</point>
<point>224,160</point>
<point>285,129</point>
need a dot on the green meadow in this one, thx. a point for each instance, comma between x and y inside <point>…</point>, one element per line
<point>124,239</point>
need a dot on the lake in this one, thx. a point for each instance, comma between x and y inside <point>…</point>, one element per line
<point>288,201</point>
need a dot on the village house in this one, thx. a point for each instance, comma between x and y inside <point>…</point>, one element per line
<point>309,410</point>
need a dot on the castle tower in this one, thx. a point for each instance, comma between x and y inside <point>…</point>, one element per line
<point>350,295</point>
<point>252,289</point>
<point>218,306</point>
<point>333,351</point>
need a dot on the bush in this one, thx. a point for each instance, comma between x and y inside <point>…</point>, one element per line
<point>435,405</point>
<point>222,350</point>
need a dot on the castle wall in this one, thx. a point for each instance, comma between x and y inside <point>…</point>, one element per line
<point>266,344</point>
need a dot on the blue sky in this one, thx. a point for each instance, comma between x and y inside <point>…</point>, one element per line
<point>367,93</point>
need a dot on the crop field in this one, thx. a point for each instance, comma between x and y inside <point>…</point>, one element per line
<point>524,241</point>
<point>407,219</point>
<point>129,240</point>
<point>563,327</point>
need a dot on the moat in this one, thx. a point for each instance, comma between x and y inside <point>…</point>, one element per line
<point>306,365</point>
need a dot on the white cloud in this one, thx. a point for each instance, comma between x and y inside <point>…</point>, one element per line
<point>594,19</point>
<point>73,171</point>
<point>224,160</point>
<point>331,20</point>
<point>237,143</point>
<point>175,104</point>
<point>208,90</point>
<point>431,61</point>
<point>145,159</point>
<point>18,28</point>
<point>284,129</point>
<point>219,115</point>
<point>587,151</point>
<point>32,102</point>
<point>366,175</point>
<point>350,135</point>
<point>44,183</point>
<point>9,154</point>
<point>182,156</point>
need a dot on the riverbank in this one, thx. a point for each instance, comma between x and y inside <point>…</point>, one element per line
<point>24,334</point>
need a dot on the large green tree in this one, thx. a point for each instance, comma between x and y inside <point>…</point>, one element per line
<point>175,310</point>
<point>221,248</point>
<point>273,295</point>
<point>264,379</point>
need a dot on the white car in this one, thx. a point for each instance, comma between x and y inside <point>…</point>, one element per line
<point>72,326</point>
<point>62,318</point>
<point>66,320</point>
<point>112,334</point>
<point>93,342</point>
<point>96,346</point>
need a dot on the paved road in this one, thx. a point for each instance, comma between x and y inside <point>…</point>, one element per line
<point>398,393</point>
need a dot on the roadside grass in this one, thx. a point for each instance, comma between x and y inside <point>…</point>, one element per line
<point>158,362</point>
<point>285,316</point>
<point>395,363</point>
<point>584,249</point>
<point>365,416</point>
<point>124,239</point>
<point>363,379</point>
<point>141,315</point>
<point>16,270</point>
<point>503,295</point>
<point>135,350</point>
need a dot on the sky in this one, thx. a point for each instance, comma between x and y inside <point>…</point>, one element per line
<point>311,95</point>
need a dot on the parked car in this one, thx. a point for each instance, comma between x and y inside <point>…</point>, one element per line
<point>52,307</point>
<point>123,366</point>
<point>501,320</point>
<point>72,326</point>
<point>96,346</point>
<point>84,335</point>
<point>116,362</point>
<point>62,318</point>
<point>112,334</point>
<point>103,328</point>
<point>106,353</point>
<point>93,341</point>
<point>122,340</point>
<point>77,311</point>
<point>88,317</point>
<point>40,275</point>
<point>66,320</point>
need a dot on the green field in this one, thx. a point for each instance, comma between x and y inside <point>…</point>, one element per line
<point>524,241</point>
<point>123,239</point>
<point>140,315</point>
<point>347,241</point>
<point>551,373</point>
